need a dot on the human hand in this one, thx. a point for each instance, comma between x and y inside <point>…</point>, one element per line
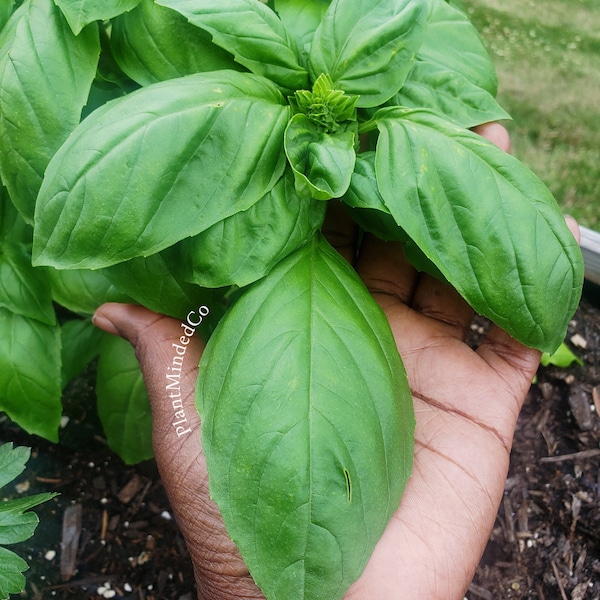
<point>466,402</point>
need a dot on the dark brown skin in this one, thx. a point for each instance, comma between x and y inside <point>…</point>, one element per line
<point>466,404</point>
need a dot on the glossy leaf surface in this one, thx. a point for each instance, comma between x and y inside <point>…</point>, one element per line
<point>45,78</point>
<point>81,341</point>
<point>322,162</point>
<point>79,290</point>
<point>296,377</point>
<point>246,246</point>
<point>452,41</point>
<point>80,13</point>
<point>497,236</point>
<point>123,405</point>
<point>253,33</point>
<point>24,290</point>
<point>157,282</point>
<point>152,43</point>
<point>453,73</point>
<point>30,374</point>
<point>367,46</point>
<point>161,164</point>
<point>301,19</point>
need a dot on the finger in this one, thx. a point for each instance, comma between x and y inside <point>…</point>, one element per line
<point>340,230</point>
<point>495,133</point>
<point>515,363</point>
<point>168,354</point>
<point>440,301</point>
<point>385,270</point>
<point>574,228</point>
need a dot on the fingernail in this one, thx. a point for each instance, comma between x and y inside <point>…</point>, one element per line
<point>102,322</point>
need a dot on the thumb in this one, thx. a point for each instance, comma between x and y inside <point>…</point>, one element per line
<point>168,353</point>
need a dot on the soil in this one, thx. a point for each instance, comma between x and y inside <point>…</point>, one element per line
<point>119,539</point>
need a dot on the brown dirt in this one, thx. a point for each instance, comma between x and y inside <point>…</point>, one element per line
<point>545,545</point>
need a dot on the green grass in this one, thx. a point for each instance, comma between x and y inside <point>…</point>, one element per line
<point>547,56</point>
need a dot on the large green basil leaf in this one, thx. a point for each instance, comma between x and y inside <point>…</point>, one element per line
<point>6,9</point>
<point>13,229</point>
<point>433,86</point>
<point>322,162</point>
<point>301,18</point>
<point>369,211</point>
<point>157,282</point>
<point>30,374</point>
<point>45,78</point>
<point>368,46</point>
<point>453,73</point>
<point>152,44</point>
<point>307,418</point>
<point>490,225</point>
<point>81,341</point>
<point>246,246</point>
<point>452,41</point>
<point>79,290</point>
<point>123,404</point>
<point>250,31</point>
<point>24,290</point>
<point>80,13</point>
<point>158,165</point>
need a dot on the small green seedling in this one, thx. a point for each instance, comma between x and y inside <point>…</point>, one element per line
<point>17,522</point>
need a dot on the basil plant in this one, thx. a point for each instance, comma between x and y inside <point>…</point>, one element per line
<point>190,148</point>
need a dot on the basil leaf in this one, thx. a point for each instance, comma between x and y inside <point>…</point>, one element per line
<point>301,19</point>
<point>501,240</point>
<point>453,73</point>
<point>30,369</point>
<point>24,290</point>
<point>250,31</point>
<point>13,229</point>
<point>81,341</point>
<point>322,162</point>
<point>123,405</point>
<point>452,41</point>
<point>368,46</point>
<point>80,13</point>
<point>367,206</point>
<point>449,93</point>
<point>157,283</point>
<point>79,290</point>
<point>152,44</point>
<point>212,142</point>
<point>45,78</point>
<point>6,9</point>
<point>371,214</point>
<point>286,434</point>
<point>246,246</point>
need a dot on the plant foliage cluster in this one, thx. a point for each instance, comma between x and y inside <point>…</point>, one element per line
<point>180,153</point>
<point>17,522</point>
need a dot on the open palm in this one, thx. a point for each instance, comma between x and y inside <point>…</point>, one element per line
<point>466,403</point>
